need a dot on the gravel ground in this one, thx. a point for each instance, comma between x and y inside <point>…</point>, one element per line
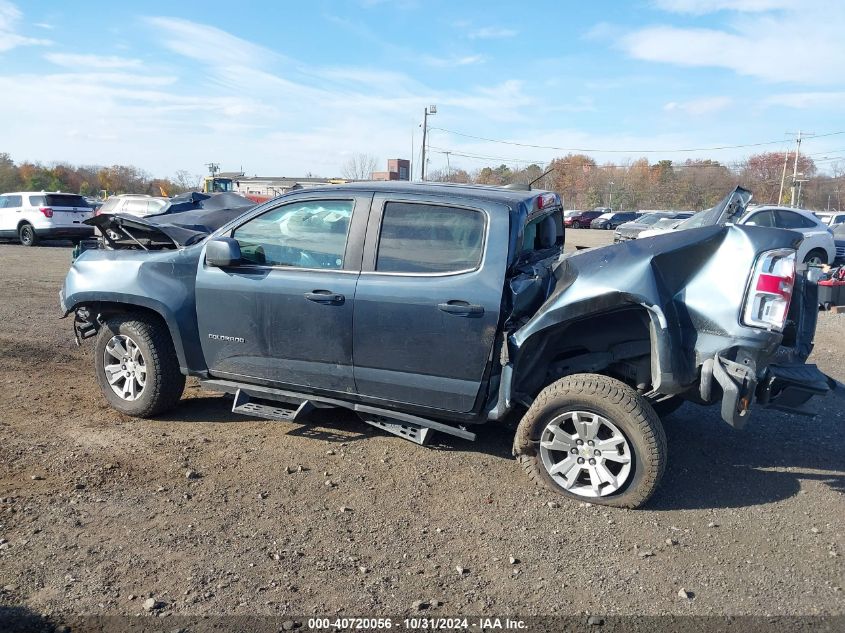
<point>97,514</point>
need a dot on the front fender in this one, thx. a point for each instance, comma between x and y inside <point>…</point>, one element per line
<point>160,281</point>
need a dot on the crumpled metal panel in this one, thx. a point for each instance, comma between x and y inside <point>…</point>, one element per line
<point>692,283</point>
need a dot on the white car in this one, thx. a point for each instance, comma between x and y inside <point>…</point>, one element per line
<point>831,218</point>
<point>133,204</point>
<point>29,216</point>
<point>818,246</point>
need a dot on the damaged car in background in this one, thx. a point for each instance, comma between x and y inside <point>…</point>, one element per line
<point>430,308</point>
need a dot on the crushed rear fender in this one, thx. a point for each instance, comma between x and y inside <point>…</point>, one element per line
<point>692,285</point>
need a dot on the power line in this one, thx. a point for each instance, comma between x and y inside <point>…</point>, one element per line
<point>626,151</point>
<point>510,159</point>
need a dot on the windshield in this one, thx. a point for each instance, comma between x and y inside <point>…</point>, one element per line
<point>570,213</point>
<point>605,216</point>
<point>839,231</point>
<point>695,221</point>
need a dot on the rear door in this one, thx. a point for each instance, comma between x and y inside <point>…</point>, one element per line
<point>284,315</point>
<point>428,300</point>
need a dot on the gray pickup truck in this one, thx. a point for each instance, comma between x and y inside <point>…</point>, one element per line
<point>432,308</point>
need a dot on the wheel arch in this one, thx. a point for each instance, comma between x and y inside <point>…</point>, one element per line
<point>101,307</point>
<point>625,339</point>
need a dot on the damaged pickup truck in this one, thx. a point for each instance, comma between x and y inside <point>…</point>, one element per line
<point>431,308</point>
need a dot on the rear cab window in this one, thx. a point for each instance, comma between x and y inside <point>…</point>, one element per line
<point>544,228</point>
<point>420,238</point>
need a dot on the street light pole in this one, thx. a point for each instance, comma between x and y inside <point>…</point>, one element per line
<point>611,196</point>
<point>432,109</point>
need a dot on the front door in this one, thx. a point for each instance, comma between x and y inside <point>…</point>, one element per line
<point>283,316</point>
<point>428,300</point>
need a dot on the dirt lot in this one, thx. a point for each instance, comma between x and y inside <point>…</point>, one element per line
<point>97,515</point>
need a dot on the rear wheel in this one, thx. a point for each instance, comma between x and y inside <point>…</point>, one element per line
<point>593,438</point>
<point>136,366</point>
<point>26,235</point>
<point>816,257</point>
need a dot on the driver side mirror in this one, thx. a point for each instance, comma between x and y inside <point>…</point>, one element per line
<point>222,252</point>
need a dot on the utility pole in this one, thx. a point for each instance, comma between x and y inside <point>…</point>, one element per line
<point>432,109</point>
<point>794,187</point>
<point>783,176</point>
<point>611,196</point>
<point>448,167</point>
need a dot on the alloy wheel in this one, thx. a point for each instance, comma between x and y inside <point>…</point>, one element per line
<point>125,368</point>
<point>586,454</point>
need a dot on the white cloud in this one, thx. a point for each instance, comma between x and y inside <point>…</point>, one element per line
<point>209,44</point>
<point>492,33</point>
<point>699,107</point>
<point>244,105</point>
<point>804,100</point>
<point>44,25</point>
<point>775,46</point>
<point>10,18</point>
<point>72,60</point>
<point>700,7</point>
<point>456,60</point>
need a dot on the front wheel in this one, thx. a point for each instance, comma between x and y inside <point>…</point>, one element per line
<point>136,366</point>
<point>593,438</point>
<point>576,225</point>
<point>27,235</point>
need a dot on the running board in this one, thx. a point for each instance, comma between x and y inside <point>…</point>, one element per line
<point>407,431</point>
<point>253,400</point>
<point>245,405</point>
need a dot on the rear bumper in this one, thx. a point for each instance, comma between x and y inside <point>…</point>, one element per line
<point>783,387</point>
<point>65,232</point>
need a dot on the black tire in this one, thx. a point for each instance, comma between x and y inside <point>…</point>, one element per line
<point>576,225</point>
<point>27,235</point>
<point>619,403</point>
<point>816,253</point>
<point>666,407</point>
<point>164,382</point>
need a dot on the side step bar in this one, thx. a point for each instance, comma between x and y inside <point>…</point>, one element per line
<point>253,400</point>
<point>245,405</point>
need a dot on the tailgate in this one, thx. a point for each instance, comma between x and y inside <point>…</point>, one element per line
<point>71,216</point>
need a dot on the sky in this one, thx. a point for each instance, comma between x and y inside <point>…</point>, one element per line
<point>292,88</point>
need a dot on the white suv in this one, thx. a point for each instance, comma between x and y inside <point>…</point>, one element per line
<point>29,216</point>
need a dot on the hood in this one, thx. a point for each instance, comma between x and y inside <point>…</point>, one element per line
<point>729,210</point>
<point>166,230</point>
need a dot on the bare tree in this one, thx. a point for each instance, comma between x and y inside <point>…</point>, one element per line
<point>186,181</point>
<point>359,167</point>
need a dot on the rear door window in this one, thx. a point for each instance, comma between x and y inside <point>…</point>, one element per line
<point>13,202</point>
<point>425,238</point>
<point>790,220</point>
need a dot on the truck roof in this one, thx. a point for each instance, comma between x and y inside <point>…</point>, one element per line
<point>483,192</point>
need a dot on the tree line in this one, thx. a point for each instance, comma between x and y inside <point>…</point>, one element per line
<point>689,185</point>
<point>579,179</point>
<point>89,180</point>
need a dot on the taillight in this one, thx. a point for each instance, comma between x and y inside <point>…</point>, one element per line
<point>770,290</point>
<point>47,211</point>
<point>546,200</point>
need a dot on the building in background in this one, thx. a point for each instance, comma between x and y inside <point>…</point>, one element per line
<point>397,169</point>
